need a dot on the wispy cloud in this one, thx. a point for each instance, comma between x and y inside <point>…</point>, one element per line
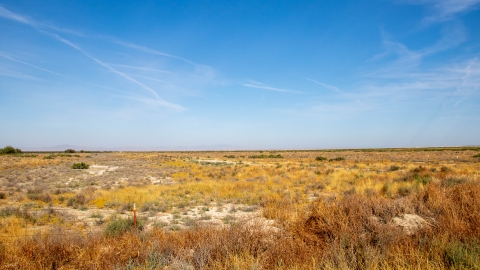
<point>450,84</point>
<point>28,64</point>
<point>160,101</point>
<point>259,85</point>
<point>142,68</point>
<point>7,14</point>
<point>401,59</point>
<point>28,77</point>
<point>151,51</point>
<point>17,75</point>
<point>328,86</point>
<point>19,18</point>
<point>444,10</point>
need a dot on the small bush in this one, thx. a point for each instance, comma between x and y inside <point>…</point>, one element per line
<point>37,194</point>
<point>337,159</point>
<point>422,179</point>
<point>229,156</point>
<point>445,169</point>
<point>320,158</point>
<point>80,165</point>
<point>118,227</point>
<point>460,255</point>
<point>453,181</point>
<point>8,150</point>
<point>394,168</point>
<point>15,211</point>
<point>77,200</point>
<point>477,155</point>
<point>70,151</point>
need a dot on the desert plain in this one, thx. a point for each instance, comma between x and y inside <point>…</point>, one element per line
<point>317,209</point>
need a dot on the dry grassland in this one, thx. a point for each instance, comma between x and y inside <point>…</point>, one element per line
<point>339,209</point>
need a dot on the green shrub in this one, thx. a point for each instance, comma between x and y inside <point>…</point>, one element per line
<point>8,150</point>
<point>337,159</point>
<point>463,255</point>
<point>453,181</point>
<point>118,227</point>
<point>477,155</point>
<point>422,179</point>
<point>394,168</point>
<point>320,158</point>
<point>229,156</point>
<point>70,151</point>
<point>80,165</point>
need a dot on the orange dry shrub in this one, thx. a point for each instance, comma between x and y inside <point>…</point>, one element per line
<point>355,232</point>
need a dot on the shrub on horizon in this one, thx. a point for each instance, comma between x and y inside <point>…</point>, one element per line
<point>10,150</point>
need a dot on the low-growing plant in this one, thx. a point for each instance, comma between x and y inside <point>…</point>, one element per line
<point>394,168</point>
<point>320,158</point>
<point>8,150</point>
<point>76,200</point>
<point>38,194</point>
<point>453,181</point>
<point>337,159</point>
<point>477,155</point>
<point>70,151</point>
<point>118,227</point>
<point>266,156</point>
<point>80,165</point>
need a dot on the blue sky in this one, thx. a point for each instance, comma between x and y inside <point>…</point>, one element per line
<point>249,74</point>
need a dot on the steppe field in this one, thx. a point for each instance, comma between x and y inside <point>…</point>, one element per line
<point>327,209</point>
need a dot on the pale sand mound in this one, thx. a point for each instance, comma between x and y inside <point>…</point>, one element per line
<point>410,223</point>
<point>100,169</point>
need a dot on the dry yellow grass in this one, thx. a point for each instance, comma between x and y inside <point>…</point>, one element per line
<point>327,214</point>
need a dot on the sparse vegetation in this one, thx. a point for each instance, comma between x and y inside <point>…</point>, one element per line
<point>80,165</point>
<point>337,159</point>
<point>320,158</point>
<point>266,156</point>
<point>296,213</point>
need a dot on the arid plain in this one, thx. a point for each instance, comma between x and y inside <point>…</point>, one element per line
<point>325,209</point>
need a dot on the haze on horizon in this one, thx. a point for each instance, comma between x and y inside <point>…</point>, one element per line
<point>251,75</point>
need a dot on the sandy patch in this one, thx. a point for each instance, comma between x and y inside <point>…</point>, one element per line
<point>101,169</point>
<point>410,223</point>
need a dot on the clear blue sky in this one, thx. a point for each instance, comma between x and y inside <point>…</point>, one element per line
<point>251,74</point>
